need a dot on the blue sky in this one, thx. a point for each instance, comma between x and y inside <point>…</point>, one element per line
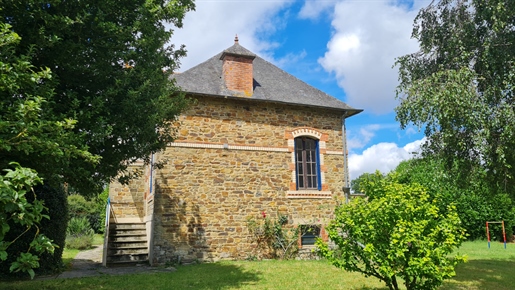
<point>345,48</point>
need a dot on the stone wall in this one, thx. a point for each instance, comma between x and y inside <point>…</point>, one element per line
<point>231,162</point>
<point>128,201</point>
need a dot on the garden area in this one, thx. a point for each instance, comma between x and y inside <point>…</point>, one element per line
<point>421,226</point>
<point>485,269</point>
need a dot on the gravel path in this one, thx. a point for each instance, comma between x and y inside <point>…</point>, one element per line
<point>89,263</point>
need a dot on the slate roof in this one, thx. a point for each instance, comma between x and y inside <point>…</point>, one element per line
<point>271,83</point>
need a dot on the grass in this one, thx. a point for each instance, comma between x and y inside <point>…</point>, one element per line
<point>69,254</point>
<point>486,269</point>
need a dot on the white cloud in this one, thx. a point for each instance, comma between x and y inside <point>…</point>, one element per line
<point>212,27</point>
<point>312,9</point>
<point>290,58</point>
<point>367,38</point>
<point>359,139</point>
<point>382,156</point>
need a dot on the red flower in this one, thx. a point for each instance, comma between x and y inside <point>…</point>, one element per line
<point>263,214</point>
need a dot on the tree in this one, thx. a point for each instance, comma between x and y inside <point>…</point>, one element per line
<point>355,184</point>
<point>476,204</point>
<point>25,130</point>
<point>459,86</point>
<point>107,60</point>
<point>397,232</point>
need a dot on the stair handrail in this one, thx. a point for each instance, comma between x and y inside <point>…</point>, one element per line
<point>106,231</point>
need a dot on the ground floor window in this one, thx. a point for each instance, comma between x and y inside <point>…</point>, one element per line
<point>309,234</point>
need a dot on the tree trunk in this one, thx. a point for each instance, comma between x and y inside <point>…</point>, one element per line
<point>394,282</point>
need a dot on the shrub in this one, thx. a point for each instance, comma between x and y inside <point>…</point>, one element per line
<point>477,204</point>
<point>79,234</point>
<point>93,209</point>
<point>54,228</point>
<point>398,232</point>
<point>273,236</point>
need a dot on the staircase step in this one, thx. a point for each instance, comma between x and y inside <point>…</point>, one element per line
<point>125,226</point>
<point>127,232</point>
<point>127,238</point>
<point>127,258</point>
<point>127,251</point>
<point>127,244</point>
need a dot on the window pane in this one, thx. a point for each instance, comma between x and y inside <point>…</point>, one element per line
<point>306,163</point>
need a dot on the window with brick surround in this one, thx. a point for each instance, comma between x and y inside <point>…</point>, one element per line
<point>308,149</point>
<point>307,164</point>
<point>309,234</point>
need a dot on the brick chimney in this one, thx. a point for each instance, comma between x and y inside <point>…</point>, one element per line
<point>237,69</point>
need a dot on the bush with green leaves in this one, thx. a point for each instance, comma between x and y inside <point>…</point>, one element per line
<point>396,232</point>
<point>274,238</point>
<point>21,214</point>
<point>93,209</point>
<point>79,234</point>
<point>471,192</point>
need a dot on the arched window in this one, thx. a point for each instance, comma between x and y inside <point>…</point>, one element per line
<point>307,164</point>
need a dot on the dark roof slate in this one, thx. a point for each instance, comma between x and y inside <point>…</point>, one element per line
<point>237,49</point>
<point>271,84</point>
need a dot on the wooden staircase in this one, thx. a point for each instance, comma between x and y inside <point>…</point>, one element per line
<point>127,244</point>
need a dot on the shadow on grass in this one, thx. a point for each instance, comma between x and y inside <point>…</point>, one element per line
<point>215,276</point>
<point>203,276</point>
<point>483,274</point>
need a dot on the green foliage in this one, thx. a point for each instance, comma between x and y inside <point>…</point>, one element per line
<point>93,209</point>
<point>55,227</point>
<point>79,234</point>
<point>397,232</point>
<point>274,238</point>
<point>100,206</point>
<point>21,216</point>
<point>476,204</point>
<point>355,184</point>
<point>107,90</point>
<point>28,134</point>
<point>79,227</point>
<point>460,88</point>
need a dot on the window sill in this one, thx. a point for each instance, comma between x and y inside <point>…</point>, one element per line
<point>308,194</point>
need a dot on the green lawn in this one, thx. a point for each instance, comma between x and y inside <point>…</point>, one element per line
<point>486,269</point>
<point>492,268</point>
<point>69,254</point>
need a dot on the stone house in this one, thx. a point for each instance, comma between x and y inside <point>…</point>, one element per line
<point>256,141</point>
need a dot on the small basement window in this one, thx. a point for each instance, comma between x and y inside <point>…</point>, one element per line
<point>309,234</point>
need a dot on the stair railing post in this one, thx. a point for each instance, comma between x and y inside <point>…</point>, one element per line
<point>106,232</point>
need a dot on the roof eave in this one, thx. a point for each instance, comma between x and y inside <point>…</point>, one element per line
<point>346,112</point>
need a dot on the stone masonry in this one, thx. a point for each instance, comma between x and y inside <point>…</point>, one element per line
<point>233,159</point>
